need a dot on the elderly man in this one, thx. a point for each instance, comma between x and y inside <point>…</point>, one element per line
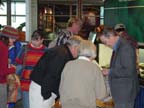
<point>122,74</point>
<point>82,81</point>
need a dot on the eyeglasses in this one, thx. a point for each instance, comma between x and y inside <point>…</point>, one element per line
<point>36,38</point>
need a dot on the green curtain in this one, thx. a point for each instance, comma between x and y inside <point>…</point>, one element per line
<point>130,13</point>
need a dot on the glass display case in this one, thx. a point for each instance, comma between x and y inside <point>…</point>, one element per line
<point>54,16</point>
<point>139,100</point>
<point>141,64</point>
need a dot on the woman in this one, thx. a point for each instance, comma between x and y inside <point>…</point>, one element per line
<point>5,34</point>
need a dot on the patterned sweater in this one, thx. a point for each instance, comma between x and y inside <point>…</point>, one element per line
<point>28,57</point>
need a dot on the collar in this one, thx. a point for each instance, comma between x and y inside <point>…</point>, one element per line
<point>116,45</point>
<point>10,47</point>
<point>84,58</point>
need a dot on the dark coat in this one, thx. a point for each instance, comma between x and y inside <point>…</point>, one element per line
<point>123,76</point>
<point>47,72</point>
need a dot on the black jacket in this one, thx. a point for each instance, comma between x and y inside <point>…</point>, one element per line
<point>47,72</point>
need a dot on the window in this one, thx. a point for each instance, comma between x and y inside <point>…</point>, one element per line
<point>3,20</point>
<point>18,14</point>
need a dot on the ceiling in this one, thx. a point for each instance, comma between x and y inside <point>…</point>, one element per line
<point>91,2</point>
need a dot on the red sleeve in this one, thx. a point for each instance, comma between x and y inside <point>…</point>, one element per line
<point>4,70</point>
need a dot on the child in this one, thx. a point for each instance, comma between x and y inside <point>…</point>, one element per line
<point>28,57</point>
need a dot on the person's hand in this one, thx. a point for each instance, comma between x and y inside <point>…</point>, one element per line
<point>105,72</point>
<point>12,66</point>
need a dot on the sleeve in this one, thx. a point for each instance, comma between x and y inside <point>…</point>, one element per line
<point>63,36</point>
<point>52,79</point>
<point>127,62</point>
<point>101,91</point>
<point>18,46</point>
<point>14,51</point>
<point>20,55</point>
<point>4,63</point>
<point>61,81</point>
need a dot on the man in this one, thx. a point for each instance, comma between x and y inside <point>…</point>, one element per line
<point>73,27</point>
<point>82,81</point>
<point>89,24</point>
<point>121,30</point>
<point>46,74</point>
<point>122,74</point>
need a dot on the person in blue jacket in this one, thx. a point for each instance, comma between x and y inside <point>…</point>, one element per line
<point>14,47</point>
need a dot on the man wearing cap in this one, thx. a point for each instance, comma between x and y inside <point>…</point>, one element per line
<point>121,30</point>
<point>5,34</point>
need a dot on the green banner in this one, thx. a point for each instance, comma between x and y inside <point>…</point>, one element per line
<point>130,13</point>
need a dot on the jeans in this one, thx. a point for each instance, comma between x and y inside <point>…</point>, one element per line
<point>25,99</point>
<point>3,95</point>
<point>19,69</point>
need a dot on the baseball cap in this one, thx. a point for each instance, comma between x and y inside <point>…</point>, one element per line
<point>119,26</point>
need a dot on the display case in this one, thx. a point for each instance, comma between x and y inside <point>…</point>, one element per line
<point>55,15</point>
<point>141,63</point>
<point>139,99</point>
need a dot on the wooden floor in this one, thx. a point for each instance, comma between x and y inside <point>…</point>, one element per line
<point>57,105</point>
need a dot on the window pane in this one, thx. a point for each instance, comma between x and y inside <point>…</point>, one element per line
<point>3,20</point>
<point>18,8</point>
<point>62,10</point>
<point>3,9</point>
<point>16,21</point>
<point>74,10</point>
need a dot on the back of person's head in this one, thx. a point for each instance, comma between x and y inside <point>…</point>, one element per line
<point>74,40</point>
<point>119,27</point>
<point>74,20</point>
<point>87,49</point>
<point>100,28</point>
<point>37,34</point>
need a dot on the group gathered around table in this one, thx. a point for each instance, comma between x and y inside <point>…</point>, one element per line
<point>66,74</point>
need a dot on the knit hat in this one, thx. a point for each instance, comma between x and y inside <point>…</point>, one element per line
<point>119,26</point>
<point>9,32</point>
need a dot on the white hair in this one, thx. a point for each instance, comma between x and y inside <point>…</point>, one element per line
<point>88,49</point>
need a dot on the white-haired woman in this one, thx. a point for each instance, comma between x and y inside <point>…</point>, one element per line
<point>82,81</point>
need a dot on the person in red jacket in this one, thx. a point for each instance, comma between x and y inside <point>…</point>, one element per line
<point>5,70</point>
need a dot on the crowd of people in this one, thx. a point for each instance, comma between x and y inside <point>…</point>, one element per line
<point>66,70</point>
